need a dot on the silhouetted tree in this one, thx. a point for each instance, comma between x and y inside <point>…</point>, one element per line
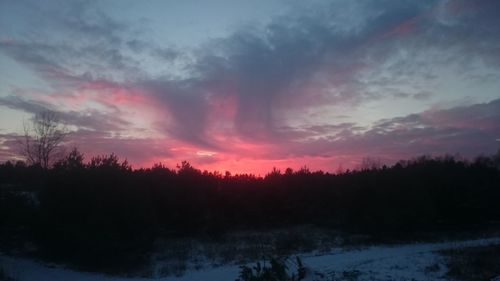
<point>43,137</point>
<point>102,213</point>
<point>72,161</point>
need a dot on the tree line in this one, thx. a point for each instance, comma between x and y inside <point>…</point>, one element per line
<point>101,214</point>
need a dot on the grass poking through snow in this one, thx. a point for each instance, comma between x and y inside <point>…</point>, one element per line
<point>473,263</point>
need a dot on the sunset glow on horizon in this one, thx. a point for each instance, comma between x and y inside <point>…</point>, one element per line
<point>245,86</point>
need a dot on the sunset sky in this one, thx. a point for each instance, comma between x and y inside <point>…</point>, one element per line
<point>245,86</point>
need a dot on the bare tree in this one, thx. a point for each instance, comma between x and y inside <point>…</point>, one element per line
<point>370,163</point>
<point>43,137</point>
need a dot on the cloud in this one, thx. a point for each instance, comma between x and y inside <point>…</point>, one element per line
<point>257,92</point>
<point>90,119</point>
<point>71,42</point>
<point>298,63</point>
<point>9,147</point>
<point>138,151</point>
<point>15,102</point>
<point>290,64</point>
<point>468,130</point>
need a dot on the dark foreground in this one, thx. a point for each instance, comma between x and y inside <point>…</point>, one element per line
<point>104,216</point>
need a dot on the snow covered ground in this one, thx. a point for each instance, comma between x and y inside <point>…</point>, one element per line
<point>419,261</point>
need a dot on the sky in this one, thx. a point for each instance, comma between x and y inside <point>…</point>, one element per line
<point>245,86</point>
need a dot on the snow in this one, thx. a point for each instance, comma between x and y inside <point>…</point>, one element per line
<point>399,262</point>
<point>418,261</point>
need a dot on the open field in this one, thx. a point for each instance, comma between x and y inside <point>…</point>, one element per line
<point>411,261</point>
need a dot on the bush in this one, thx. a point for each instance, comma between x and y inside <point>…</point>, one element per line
<point>277,271</point>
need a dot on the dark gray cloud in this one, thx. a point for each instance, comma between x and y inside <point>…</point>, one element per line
<point>90,119</point>
<point>468,130</point>
<point>185,106</point>
<point>15,102</point>
<point>168,54</point>
<point>92,143</point>
<point>68,43</point>
<point>271,67</point>
<point>136,150</point>
<point>9,147</point>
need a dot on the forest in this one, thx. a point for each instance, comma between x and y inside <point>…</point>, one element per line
<point>101,214</point>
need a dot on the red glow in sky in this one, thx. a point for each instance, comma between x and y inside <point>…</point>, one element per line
<point>320,84</point>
